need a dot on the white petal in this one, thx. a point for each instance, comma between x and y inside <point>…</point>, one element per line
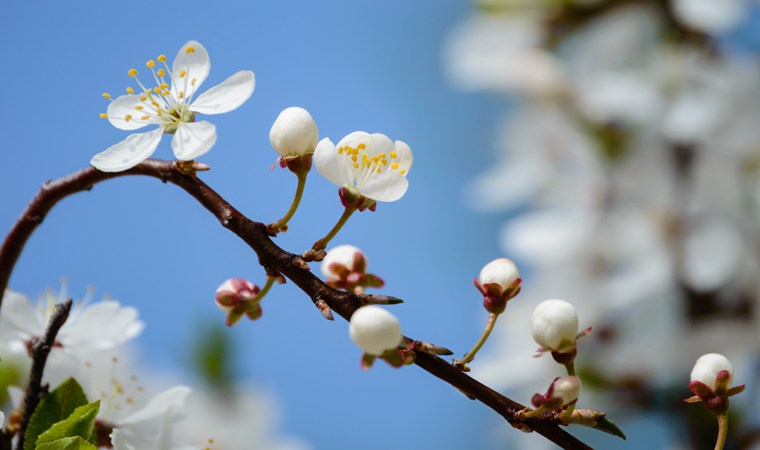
<point>158,405</point>
<point>404,155</point>
<point>193,60</point>
<point>327,163</point>
<point>19,316</point>
<point>380,144</point>
<point>102,325</point>
<point>193,140</point>
<point>709,15</point>
<point>356,138</point>
<point>227,95</point>
<point>387,186</point>
<point>123,114</point>
<point>128,153</point>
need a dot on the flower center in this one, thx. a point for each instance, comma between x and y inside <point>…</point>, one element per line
<point>363,165</point>
<point>161,104</point>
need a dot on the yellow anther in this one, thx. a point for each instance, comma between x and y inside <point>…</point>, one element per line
<point>143,98</point>
<point>353,158</point>
<point>164,86</point>
<point>138,107</point>
<point>181,94</point>
<point>378,170</point>
<point>393,155</point>
<point>164,93</point>
<point>128,117</point>
<point>190,49</point>
<point>156,90</point>
<point>103,116</point>
<point>394,166</point>
<point>356,166</point>
<point>340,151</point>
<point>161,58</point>
<point>402,172</point>
<point>364,156</point>
<point>361,146</point>
<point>130,90</point>
<point>132,73</point>
<point>192,83</point>
<point>106,95</point>
<point>182,73</point>
<point>160,72</point>
<point>144,118</point>
<point>151,64</point>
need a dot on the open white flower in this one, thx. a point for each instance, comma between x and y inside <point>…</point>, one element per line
<point>172,108</point>
<point>370,164</point>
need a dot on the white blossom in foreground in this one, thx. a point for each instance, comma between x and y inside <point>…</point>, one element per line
<point>370,164</point>
<point>151,427</point>
<point>90,327</point>
<point>375,330</point>
<point>294,133</point>
<point>554,325</point>
<point>171,106</point>
<point>708,366</point>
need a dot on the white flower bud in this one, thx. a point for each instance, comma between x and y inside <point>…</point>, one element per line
<point>499,271</point>
<point>294,132</point>
<point>554,324</point>
<point>567,388</point>
<point>234,292</point>
<point>708,366</point>
<point>375,330</point>
<point>340,256</point>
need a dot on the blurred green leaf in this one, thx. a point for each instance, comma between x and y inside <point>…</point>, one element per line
<point>53,408</point>
<point>70,443</point>
<point>80,423</point>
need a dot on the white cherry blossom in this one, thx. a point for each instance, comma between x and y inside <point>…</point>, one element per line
<point>370,164</point>
<point>171,106</point>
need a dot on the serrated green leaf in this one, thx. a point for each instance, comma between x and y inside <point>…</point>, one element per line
<point>69,443</point>
<point>54,407</point>
<point>79,424</point>
<point>606,425</point>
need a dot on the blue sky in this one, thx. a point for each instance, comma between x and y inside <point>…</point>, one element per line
<point>372,66</point>
<point>355,66</point>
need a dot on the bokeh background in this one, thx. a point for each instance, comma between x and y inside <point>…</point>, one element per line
<point>394,67</point>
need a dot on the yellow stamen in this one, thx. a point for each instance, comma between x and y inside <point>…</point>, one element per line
<point>393,155</point>
<point>394,166</point>
<point>160,72</point>
<point>192,83</point>
<point>402,172</point>
<point>164,86</point>
<point>164,93</point>
<point>143,98</point>
<point>340,151</point>
<point>138,107</point>
<point>190,49</point>
<point>182,73</point>
<point>156,90</point>
<point>356,166</point>
<point>361,146</point>
<point>144,118</point>
<point>106,95</point>
<point>128,117</point>
<point>132,73</point>
<point>130,90</point>
<point>103,116</point>
<point>181,94</point>
<point>161,58</point>
<point>151,64</point>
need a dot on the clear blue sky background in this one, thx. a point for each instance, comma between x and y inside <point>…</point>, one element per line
<point>355,65</point>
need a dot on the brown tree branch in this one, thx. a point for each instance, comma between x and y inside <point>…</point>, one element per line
<point>40,349</point>
<point>272,257</point>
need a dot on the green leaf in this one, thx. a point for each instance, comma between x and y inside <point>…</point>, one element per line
<point>79,424</point>
<point>54,407</point>
<point>69,443</point>
<point>606,425</point>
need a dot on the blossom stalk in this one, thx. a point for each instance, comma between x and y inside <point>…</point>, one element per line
<point>462,363</point>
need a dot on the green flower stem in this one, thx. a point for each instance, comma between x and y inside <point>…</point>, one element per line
<point>277,226</point>
<point>263,292</point>
<point>322,243</point>
<point>487,332</point>
<point>570,367</point>
<point>722,431</point>
<point>530,414</point>
<point>568,413</point>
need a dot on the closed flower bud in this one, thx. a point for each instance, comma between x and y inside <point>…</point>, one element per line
<point>502,272</point>
<point>344,267</point>
<point>294,133</point>
<point>554,326</point>
<point>237,297</point>
<point>566,388</point>
<point>375,330</point>
<point>707,368</point>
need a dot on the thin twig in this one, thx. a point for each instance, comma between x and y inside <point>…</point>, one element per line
<point>39,351</point>
<point>271,256</point>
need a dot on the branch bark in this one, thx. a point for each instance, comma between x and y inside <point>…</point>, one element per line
<point>271,257</point>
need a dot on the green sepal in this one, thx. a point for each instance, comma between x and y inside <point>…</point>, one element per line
<point>54,407</point>
<point>606,425</point>
<point>69,443</point>
<point>80,423</point>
